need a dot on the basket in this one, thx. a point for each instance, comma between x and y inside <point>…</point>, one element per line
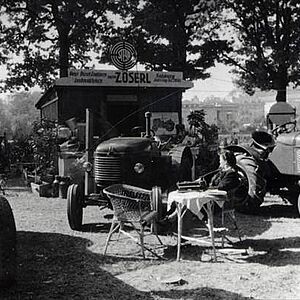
<point>129,203</point>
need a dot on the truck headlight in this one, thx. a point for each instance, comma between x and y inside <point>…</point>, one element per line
<point>139,168</point>
<point>88,167</point>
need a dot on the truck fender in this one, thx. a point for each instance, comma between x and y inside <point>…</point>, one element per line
<point>238,148</point>
<point>249,150</point>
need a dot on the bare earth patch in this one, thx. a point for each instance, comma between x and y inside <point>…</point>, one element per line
<point>55,262</point>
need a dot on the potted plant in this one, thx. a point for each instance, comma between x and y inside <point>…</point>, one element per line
<point>45,149</point>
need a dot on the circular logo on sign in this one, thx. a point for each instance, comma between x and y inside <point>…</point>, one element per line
<point>123,56</point>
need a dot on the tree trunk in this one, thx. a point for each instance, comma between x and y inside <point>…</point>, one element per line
<point>281,84</point>
<point>281,95</point>
<point>180,59</point>
<point>63,30</point>
<point>63,55</point>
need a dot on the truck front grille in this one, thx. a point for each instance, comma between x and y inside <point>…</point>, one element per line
<point>107,169</point>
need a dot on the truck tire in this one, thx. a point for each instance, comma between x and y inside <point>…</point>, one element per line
<point>8,264</point>
<point>74,206</point>
<point>250,195</point>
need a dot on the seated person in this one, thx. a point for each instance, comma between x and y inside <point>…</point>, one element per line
<point>226,179</point>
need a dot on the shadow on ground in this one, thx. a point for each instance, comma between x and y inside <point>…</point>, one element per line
<point>57,266</point>
<point>201,293</point>
<point>273,252</point>
<point>278,211</point>
<point>258,223</point>
<point>96,227</point>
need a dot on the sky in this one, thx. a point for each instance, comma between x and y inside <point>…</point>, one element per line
<point>219,84</point>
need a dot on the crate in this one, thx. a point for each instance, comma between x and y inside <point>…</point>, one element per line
<point>42,189</point>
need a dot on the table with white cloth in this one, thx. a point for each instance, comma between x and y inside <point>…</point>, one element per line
<point>194,201</point>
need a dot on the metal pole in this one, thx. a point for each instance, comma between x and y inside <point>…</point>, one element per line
<point>179,208</point>
<point>148,124</point>
<point>88,145</point>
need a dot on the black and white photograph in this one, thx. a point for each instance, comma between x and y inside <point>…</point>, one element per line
<point>150,149</point>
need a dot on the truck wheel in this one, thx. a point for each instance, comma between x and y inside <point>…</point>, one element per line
<point>251,194</point>
<point>74,206</point>
<point>8,263</point>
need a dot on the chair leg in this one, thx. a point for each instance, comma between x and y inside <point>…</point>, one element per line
<point>223,225</point>
<point>233,218</point>
<point>113,228</point>
<point>141,234</point>
<point>121,229</point>
<point>160,241</point>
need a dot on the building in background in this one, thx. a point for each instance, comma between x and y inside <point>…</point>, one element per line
<point>224,115</point>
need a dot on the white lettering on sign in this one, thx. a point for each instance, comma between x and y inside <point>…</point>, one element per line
<point>124,79</point>
<point>86,73</point>
<point>130,77</point>
<point>87,80</point>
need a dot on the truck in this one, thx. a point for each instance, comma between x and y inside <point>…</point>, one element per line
<point>133,160</point>
<point>270,163</point>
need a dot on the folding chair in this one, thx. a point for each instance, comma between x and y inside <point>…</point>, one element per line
<point>136,206</point>
<point>228,211</point>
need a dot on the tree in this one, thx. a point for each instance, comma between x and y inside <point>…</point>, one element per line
<point>22,111</point>
<point>267,53</point>
<point>5,120</point>
<point>200,129</point>
<point>175,35</point>
<point>17,113</point>
<point>206,141</point>
<point>196,121</point>
<point>51,35</point>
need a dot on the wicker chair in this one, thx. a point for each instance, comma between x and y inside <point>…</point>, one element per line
<point>136,206</point>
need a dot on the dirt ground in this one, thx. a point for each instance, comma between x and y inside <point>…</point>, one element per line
<point>55,262</point>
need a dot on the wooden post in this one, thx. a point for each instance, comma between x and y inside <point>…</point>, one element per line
<point>88,146</point>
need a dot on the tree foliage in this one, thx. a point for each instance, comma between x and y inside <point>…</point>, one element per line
<point>175,35</point>
<point>51,36</point>
<point>267,52</point>
<point>43,141</point>
<point>199,128</point>
<point>22,113</point>
<point>206,140</point>
<point>17,113</point>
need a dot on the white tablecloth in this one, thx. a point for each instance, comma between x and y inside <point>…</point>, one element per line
<point>194,200</point>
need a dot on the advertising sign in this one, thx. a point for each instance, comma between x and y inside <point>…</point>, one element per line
<point>123,55</point>
<point>163,123</point>
<point>123,79</point>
